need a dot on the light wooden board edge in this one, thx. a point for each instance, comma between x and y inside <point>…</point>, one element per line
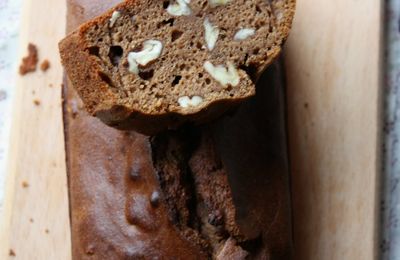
<point>35,220</point>
<point>333,60</point>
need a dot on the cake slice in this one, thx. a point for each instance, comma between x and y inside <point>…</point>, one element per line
<point>150,65</point>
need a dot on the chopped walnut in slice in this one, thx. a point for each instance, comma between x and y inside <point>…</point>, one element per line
<point>151,50</point>
<point>215,3</point>
<point>114,17</point>
<point>211,33</point>
<point>186,101</point>
<point>180,8</point>
<point>243,34</point>
<point>224,75</point>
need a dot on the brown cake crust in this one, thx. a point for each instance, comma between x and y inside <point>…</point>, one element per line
<point>120,211</point>
<point>102,98</point>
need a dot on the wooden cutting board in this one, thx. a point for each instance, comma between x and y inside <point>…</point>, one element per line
<point>333,62</point>
<point>35,221</point>
<point>333,73</point>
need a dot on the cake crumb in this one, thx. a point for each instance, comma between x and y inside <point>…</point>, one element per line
<point>45,65</point>
<point>46,231</point>
<point>11,253</point>
<point>31,220</point>
<point>25,184</point>
<point>36,102</point>
<point>50,85</point>
<point>29,63</point>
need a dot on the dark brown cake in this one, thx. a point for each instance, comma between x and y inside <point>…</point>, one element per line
<point>219,191</point>
<point>149,65</point>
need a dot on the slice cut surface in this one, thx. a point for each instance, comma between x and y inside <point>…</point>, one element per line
<point>149,65</point>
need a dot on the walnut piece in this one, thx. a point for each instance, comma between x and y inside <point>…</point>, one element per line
<point>115,15</point>
<point>151,50</point>
<point>225,76</point>
<point>180,8</point>
<point>243,34</point>
<point>186,101</point>
<point>215,3</point>
<point>211,34</point>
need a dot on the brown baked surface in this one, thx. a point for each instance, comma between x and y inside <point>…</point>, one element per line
<point>175,86</point>
<point>230,202</point>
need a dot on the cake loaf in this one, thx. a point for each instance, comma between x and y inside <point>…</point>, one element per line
<point>219,191</point>
<point>151,65</point>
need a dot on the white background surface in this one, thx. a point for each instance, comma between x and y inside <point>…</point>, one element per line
<point>10,11</point>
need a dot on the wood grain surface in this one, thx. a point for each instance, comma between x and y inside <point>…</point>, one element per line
<point>35,223</point>
<point>333,64</point>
